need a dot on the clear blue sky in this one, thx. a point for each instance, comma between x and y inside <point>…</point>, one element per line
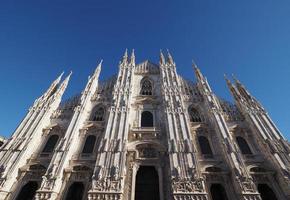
<point>40,39</point>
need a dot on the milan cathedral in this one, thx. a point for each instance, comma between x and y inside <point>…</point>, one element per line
<point>145,134</point>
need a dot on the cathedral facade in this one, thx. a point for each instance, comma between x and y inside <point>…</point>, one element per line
<point>145,134</point>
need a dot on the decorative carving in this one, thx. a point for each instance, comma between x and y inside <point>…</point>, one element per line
<point>106,184</point>
<point>147,153</point>
<point>187,186</point>
<point>247,184</point>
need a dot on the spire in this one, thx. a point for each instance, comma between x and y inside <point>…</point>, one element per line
<point>198,73</point>
<point>98,69</point>
<point>64,84</point>
<point>53,86</point>
<point>169,58</point>
<point>242,89</point>
<point>125,57</point>
<point>132,59</point>
<point>162,58</point>
<point>232,89</point>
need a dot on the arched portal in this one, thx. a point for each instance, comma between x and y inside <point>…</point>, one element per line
<point>75,191</point>
<point>147,184</point>
<point>218,192</point>
<point>28,191</point>
<point>266,192</point>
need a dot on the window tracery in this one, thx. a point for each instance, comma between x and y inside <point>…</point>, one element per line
<point>99,114</point>
<point>195,115</point>
<point>146,87</point>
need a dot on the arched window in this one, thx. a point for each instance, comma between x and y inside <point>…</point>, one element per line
<point>99,114</point>
<point>266,192</point>
<point>50,144</point>
<point>146,119</point>
<point>28,191</point>
<point>218,192</point>
<point>75,191</point>
<point>146,87</point>
<point>243,145</point>
<point>194,115</point>
<point>89,144</point>
<point>204,145</point>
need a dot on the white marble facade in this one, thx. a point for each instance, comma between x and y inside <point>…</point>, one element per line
<point>145,133</point>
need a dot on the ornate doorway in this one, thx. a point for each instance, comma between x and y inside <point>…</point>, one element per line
<point>28,191</point>
<point>147,184</point>
<point>75,191</point>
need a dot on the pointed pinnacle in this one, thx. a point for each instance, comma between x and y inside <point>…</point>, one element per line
<point>235,79</point>
<point>194,64</point>
<point>57,80</point>
<point>133,53</point>
<point>99,67</point>
<point>162,58</point>
<point>126,53</point>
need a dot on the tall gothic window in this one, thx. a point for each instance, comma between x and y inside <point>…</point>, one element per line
<point>146,87</point>
<point>204,145</point>
<point>243,145</point>
<point>99,114</point>
<point>146,119</point>
<point>89,144</point>
<point>50,144</point>
<point>194,115</point>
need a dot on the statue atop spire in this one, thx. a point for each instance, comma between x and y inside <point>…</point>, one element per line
<point>162,58</point>
<point>132,59</point>
<point>169,58</point>
<point>125,57</point>
<point>197,71</point>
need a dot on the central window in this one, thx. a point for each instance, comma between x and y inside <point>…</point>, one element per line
<point>146,119</point>
<point>146,87</point>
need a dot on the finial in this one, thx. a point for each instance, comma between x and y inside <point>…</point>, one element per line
<point>126,53</point>
<point>132,59</point>
<point>162,59</point>
<point>169,57</point>
<point>193,64</point>
<point>235,78</point>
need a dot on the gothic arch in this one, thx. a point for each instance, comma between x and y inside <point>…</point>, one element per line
<point>75,191</point>
<point>146,86</point>
<point>98,113</point>
<point>50,143</point>
<point>137,144</point>
<point>243,145</point>
<point>28,191</point>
